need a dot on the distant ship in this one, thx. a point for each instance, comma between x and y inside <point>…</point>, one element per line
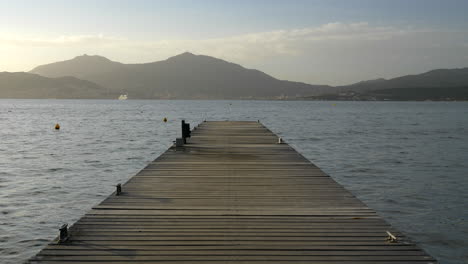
<point>123,97</point>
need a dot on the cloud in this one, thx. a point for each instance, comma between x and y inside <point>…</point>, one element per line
<point>61,41</point>
<point>256,46</point>
<point>261,44</point>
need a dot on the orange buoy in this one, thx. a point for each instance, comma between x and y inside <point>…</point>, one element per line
<point>57,126</point>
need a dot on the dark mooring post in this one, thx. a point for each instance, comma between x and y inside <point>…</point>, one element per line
<point>185,131</point>
<point>63,233</point>
<point>118,189</point>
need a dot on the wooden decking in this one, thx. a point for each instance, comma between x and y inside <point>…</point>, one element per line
<point>232,195</point>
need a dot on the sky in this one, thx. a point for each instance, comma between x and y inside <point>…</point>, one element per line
<point>316,41</point>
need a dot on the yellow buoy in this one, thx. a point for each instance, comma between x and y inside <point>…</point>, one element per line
<point>165,120</point>
<point>57,126</point>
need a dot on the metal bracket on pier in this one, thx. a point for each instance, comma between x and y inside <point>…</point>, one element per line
<point>179,142</point>
<point>391,238</point>
<point>63,237</point>
<point>118,190</point>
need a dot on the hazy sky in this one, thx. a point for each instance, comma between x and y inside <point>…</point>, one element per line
<point>319,42</point>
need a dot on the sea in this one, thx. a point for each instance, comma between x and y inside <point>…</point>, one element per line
<point>406,160</point>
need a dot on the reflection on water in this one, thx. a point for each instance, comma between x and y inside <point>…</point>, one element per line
<point>408,161</point>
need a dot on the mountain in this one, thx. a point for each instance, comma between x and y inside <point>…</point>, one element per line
<point>80,67</point>
<point>368,83</point>
<point>441,78</point>
<point>28,85</point>
<point>185,76</point>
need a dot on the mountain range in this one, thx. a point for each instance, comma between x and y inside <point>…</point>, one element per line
<point>185,76</point>
<point>189,76</point>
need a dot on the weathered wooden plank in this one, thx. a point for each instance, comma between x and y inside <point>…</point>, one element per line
<point>234,257</point>
<point>250,243</point>
<point>224,252</point>
<point>324,248</point>
<point>244,261</point>
<point>236,261</point>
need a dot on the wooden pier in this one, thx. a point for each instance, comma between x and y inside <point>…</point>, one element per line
<point>232,194</point>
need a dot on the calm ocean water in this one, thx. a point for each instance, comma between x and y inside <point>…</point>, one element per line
<point>406,160</point>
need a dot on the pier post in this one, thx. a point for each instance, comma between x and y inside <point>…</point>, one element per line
<point>185,131</point>
<point>63,233</point>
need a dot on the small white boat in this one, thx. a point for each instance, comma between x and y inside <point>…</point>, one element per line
<point>123,97</point>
